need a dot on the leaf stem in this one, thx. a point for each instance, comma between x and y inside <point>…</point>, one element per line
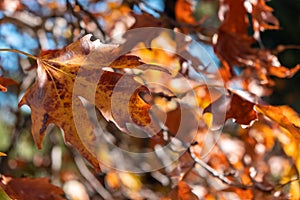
<point>20,52</point>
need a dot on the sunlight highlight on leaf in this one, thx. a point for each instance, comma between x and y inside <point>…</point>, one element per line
<point>284,116</point>
<point>2,154</point>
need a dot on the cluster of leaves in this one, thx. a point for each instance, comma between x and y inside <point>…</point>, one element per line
<point>256,156</point>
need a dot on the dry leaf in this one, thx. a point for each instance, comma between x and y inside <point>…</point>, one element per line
<point>30,188</point>
<point>234,45</point>
<point>236,107</point>
<point>148,23</point>
<point>76,70</point>
<point>241,110</point>
<point>263,19</point>
<point>5,82</point>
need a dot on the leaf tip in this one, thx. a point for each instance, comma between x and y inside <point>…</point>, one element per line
<point>2,154</point>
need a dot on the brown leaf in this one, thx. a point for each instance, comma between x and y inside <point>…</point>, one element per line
<point>236,107</point>
<point>129,61</point>
<point>232,13</point>
<point>241,110</point>
<point>181,123</point>
<point>234,45</point>
<point>5,82</point>
<point>147,22</point>
<point>76,70</point>
<point>31,188</point>
<point>282,115</point>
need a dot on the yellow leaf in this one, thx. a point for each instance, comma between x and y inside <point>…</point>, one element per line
<point>282,115</point>
<point>294,190</point>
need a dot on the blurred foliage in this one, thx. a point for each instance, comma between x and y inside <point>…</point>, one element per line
<point>256,157</point>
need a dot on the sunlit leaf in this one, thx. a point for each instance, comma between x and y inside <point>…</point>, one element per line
<point>2,154</point>
<point>112,180</point>
<point>263,19</point>
<point>53,98</point>
<point>235,46</point>
<point>294,190</point>
<point>282,115</point>
<point>283,72</point>
<point>184,12</point>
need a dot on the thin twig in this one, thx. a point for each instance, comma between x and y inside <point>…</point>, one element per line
<point>91,178</point>
<point>214,173</point>
<point>281,48</point>
<point>20,52</point>
<point>287,183</point>
<point>93,18</point>
<point>196,28</point>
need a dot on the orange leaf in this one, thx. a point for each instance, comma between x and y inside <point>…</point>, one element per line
<point>182,192</point>
<point>284,116</point>
<point>2,154</point>
<point>234,45</point>
<point>184,12</point>
<point>76,71</point>
<point>112,180</point>
<point>263,19</point>
<point>283,72</point>
<point>5,82</point>
<point>30,188</point>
